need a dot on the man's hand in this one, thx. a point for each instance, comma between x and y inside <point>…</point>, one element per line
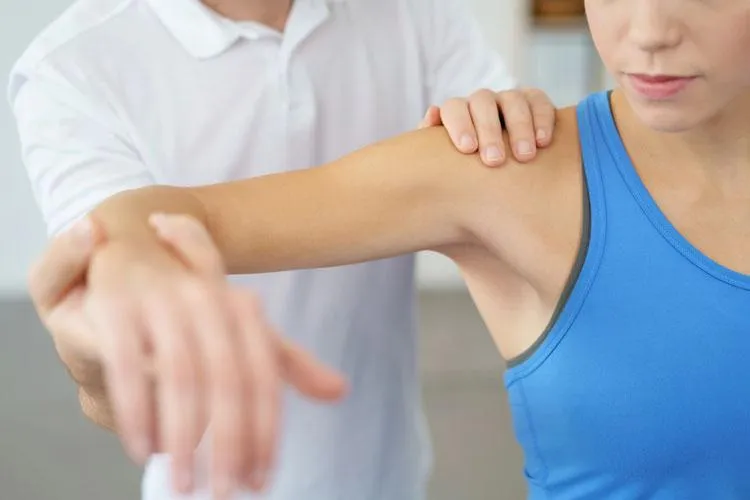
<point>57,287</point>
<point>173,346</point>
<point>477,123</point>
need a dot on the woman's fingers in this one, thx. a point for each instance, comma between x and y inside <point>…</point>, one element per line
<point>258,342</point>
<point>309,376</point>
<point>178,387</point>
<point>119,322</point>
<point>222,361</point>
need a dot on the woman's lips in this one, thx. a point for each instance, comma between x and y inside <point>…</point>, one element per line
<point>659,87</point>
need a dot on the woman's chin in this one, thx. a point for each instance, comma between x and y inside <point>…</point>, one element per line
<point>669,118</point>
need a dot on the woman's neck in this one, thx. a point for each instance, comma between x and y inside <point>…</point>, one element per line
<point>716,152</point>
<point>272,13</point>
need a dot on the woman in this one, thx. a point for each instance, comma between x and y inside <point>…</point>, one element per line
<point>613,272</point>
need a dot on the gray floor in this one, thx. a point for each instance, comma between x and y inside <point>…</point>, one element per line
<point>48,452</point>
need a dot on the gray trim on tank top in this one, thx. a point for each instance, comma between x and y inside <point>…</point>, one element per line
<point>569,284</point>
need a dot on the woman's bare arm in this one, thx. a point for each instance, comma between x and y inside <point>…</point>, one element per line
<point>405,194</point>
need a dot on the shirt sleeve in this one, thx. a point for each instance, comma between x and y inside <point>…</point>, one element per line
<point>75,150</point>
<point>459,58</point>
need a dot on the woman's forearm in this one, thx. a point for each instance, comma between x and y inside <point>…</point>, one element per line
<point>124,217</point>
<point>398,196</point>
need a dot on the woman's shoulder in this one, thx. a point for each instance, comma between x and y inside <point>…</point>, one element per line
<point>532,211</point>
<point>526,228</point>
<point>564,149</point>
<point>425,165</point>
<point>555,171</point>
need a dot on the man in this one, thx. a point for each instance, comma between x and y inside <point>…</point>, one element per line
<point>119,94</point>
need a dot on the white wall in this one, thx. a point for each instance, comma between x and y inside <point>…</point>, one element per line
<point>504,23</point>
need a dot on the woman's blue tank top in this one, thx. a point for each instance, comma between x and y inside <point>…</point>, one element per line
<point>640,389</point>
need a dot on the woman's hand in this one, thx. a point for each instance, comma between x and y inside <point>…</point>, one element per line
<point>178,346</point>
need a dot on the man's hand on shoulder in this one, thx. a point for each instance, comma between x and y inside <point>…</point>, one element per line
<point>476,123</point>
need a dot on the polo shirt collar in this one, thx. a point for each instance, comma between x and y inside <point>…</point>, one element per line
<point>202,32</point>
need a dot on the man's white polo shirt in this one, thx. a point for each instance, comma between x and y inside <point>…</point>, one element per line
<point>118,94</point>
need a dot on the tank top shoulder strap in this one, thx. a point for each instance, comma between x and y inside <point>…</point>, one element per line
<point>593,113</point>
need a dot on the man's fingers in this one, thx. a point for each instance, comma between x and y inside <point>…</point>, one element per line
<point>190,241</point>
<point>75,339</point>
<point>431,118</point>
<point>457,120</point>
<point>63,265</point>
<point>519,122</point>
<point>486,118</point>
<point>543,114</point>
